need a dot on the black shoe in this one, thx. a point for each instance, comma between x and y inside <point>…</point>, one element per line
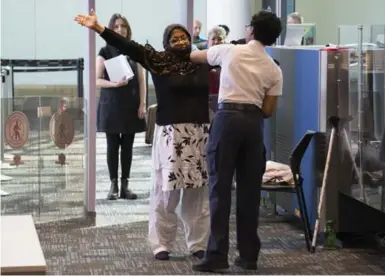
<point>200,254</point>
<point>162,256</point>
<point>210,266</point>
<point>249,265</point>
<point>124,191</point>
<point>114,190</point>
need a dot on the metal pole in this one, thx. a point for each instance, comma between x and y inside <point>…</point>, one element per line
<point>80,68</point>
<point>90,123</point>
<point>339,36</point>
<point>382,207</point>
<point>323,188</point>
<point>190,16</point>
<point>361,96</point>
<point>40,161</point>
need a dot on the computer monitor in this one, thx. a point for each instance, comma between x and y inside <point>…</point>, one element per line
<point>377,35</point>
<point>300,34</point>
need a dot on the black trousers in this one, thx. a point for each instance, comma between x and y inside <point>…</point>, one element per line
<point>125,142</point>
<point>235,143</point>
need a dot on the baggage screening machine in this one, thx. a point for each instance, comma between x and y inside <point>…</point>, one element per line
<point>318,82</point>
<point>309,77</point>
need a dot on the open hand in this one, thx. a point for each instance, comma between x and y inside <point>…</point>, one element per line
<point>90,21</point>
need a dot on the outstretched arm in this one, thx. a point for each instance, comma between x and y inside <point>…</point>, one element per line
<point>130,48</point>
<point>199,56</point>
<point>134,50</point>
<point>212,56</point>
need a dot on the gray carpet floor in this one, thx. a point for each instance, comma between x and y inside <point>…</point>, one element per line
<point>72,248</point>
<point>116,243</point>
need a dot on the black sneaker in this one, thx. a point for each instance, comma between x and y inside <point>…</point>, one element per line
<point>248,265</point>
<point>210,266</point>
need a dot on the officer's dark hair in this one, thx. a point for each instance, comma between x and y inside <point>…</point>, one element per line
<point>266,27</point>
<point>227,29</point>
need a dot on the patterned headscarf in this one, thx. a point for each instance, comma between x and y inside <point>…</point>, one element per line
<point>168,32</point>
<point>170,61</point>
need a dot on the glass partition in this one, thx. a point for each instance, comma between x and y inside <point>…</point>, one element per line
<point>367,108</point>
<point>42,157</point>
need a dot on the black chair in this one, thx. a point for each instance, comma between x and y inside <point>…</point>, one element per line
<point>295,165</point>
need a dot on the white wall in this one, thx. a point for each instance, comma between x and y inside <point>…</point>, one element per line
<point>201,13</point>
<point>41,29</point>
<point>234,16</point>
<point>44,29</point>
<point>329,14</point>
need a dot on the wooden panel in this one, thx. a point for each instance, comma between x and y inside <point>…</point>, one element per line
<point>20,247</point>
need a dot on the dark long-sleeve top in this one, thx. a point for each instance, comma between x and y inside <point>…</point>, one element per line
<point>181,98</point>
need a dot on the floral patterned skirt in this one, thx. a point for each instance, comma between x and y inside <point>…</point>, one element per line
<point>179,152</point>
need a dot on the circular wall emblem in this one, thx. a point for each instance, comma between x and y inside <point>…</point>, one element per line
<point>62,129</point>
<point>16,130</point>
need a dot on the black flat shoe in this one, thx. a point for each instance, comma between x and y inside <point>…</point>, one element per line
<point>200,254</point>
<point>162,256</point>
<point>210,266</point>
<point>248,265</point>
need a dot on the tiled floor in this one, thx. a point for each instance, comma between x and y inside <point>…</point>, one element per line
<point>116,242</point>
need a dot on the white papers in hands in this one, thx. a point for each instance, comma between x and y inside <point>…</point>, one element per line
<point>118,68</point>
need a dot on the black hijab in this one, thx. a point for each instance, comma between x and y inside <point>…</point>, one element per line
<point>170,61</point>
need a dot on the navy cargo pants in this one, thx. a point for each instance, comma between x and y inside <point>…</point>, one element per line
<point>235,143</point>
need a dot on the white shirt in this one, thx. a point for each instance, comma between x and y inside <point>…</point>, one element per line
<point>248,73</point>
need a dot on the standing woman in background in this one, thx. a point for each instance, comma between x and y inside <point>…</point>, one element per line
<point>121,111</point>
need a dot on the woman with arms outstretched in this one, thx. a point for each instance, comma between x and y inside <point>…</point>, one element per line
<point>180,137</point>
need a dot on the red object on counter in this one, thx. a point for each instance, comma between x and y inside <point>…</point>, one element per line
<point>334,49</point>
<point>214,81</point>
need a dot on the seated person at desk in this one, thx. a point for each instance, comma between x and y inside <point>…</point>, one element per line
<point>294,18</point>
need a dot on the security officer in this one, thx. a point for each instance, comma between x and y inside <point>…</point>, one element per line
<point>250,84</point>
